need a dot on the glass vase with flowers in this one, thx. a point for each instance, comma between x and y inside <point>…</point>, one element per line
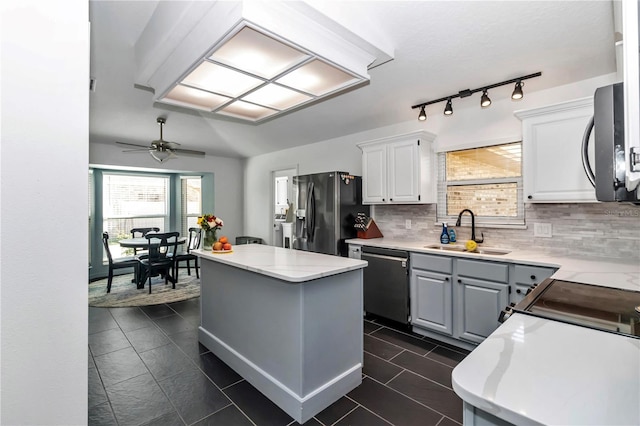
<point>209,224</point>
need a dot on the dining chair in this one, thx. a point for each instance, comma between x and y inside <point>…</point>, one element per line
<point>142,232</point>
<point>195,235</point>
<point>120,263</point>
<point>160,258</point>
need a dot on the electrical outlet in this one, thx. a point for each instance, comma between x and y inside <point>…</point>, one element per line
<point>407,224</point>
<point>542,230</point>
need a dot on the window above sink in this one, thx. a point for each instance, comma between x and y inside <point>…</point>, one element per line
<point>486,180</point>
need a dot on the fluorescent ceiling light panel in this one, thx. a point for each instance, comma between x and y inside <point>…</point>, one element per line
<point>220,79</point>
<point>275,55</point>
<point>277,97</point>
<point>247,111</point>
<point>194,98</point>
<point>258,54</point>
<point>317,77</point>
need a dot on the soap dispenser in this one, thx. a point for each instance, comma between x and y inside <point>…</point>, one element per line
<point>452,235</point>
<point>444,237</point>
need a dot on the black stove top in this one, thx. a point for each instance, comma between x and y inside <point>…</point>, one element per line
<point>602,308</point>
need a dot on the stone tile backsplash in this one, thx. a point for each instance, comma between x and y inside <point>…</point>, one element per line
<point>590,229</point>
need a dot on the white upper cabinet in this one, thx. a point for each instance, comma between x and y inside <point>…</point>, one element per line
<point>551,149</point>
<point>399,170</point>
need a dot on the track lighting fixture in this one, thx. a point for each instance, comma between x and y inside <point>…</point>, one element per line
<point>517,92</point>
<point>423,115</point>
<point>448,110</point>
<point>485,101</point>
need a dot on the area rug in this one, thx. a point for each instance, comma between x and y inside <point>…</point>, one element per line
<point>124,293</point>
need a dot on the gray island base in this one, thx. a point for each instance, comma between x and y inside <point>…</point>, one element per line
<point>288,321</point>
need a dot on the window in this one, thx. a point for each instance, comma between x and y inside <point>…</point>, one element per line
<point>191,202</point>
<point>486,180</point>
<point>133,201</point>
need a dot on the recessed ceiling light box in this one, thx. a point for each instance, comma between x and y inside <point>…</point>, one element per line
<point>251,60</point>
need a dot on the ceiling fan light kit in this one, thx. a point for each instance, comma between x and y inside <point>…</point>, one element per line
<point>251,60</point>
<point>160,149</point>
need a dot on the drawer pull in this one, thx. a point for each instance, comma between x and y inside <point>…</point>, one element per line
<point>518,291</point>
<point>533,277</point>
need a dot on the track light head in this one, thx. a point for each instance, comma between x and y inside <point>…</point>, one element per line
<point>485,101</point>
<point>423,115</point>
<point>517,92</point>
<point>448,110</point>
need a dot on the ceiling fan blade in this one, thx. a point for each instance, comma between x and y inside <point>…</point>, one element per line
<point>188,151</point>
<point>137,150</point>
<point>132,144</point>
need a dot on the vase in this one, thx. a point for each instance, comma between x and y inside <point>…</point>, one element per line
<point>208,239</point>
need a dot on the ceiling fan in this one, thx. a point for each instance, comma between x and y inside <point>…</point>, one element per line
<point>160,149</point>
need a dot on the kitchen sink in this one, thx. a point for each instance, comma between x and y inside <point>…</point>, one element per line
<point>479,250</point>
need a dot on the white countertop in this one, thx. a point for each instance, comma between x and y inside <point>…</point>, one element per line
<point>288,265</point>
<point>604,271</point>
<point>536,371</point>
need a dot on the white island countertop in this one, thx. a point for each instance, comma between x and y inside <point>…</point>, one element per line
<point>294,266</point>
<point>536,371</point>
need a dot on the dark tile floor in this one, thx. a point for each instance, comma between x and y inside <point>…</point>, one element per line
<point>146,367</point>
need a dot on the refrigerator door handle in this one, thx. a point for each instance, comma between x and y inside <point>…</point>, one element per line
<point>311,212</point>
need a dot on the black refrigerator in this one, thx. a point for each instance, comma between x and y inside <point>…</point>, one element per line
<point>326,208</point>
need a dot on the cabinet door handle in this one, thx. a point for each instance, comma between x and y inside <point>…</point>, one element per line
<point>446,278</point>
<point>533,277</point>
<point>383,199</point>
<point>459,280</point>
<point>390,199</point>
<point>518,291</point>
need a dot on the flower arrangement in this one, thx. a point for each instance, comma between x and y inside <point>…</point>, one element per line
<point>209,222</point>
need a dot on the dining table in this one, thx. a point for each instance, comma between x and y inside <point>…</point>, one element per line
<point>142,243</point>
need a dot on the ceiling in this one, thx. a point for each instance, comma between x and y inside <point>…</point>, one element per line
<point>440,47</point>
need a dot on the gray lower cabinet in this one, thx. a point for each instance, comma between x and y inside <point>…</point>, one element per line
<point>479,305</point>
<point>458,299</point>
<point>431,301</point>
<point>482,292</point>
<point>431,292</point>
<point>355,251</point>
<point>525,276</point>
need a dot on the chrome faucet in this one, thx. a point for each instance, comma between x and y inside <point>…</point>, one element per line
<point>473,225</point>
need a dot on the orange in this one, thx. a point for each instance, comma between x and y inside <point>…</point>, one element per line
<point>226,246</point>
<point>223,240</point>
<point>217,246</point>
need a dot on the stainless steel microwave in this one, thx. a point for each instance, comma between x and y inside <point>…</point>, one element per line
<point>609,158</point>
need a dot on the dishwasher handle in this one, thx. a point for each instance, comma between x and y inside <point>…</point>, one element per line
<point>386,257</point>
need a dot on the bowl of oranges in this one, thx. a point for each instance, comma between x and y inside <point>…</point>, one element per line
<point>222,246</point>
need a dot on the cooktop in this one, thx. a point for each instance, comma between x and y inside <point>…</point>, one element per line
<point>603,308</point>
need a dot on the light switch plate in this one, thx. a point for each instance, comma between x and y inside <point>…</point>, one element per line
<point>542,230</point>
<point>407,224</point>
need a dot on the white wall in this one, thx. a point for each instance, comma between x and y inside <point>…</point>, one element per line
<point>228,178</point>
<point>43,221</point>
<point>469,124</point>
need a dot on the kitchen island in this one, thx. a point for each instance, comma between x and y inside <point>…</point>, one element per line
<point>288,321</point>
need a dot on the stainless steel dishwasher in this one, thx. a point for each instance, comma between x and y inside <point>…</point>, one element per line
<point>386,283</point>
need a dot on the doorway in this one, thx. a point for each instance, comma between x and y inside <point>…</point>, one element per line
<point>283,199</point>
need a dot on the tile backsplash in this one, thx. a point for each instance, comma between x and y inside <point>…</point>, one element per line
<point>590,229</point>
